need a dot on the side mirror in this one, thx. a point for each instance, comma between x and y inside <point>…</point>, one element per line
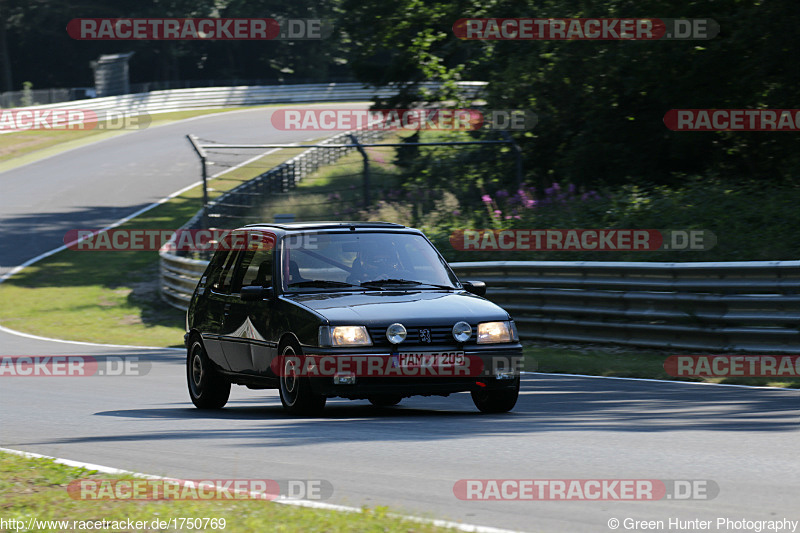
<point>253,293</point>
<point>478,288</point>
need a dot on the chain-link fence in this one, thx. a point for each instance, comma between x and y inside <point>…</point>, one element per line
<point>237,206</point>
<point>31,97</point>
<point>356,176</point>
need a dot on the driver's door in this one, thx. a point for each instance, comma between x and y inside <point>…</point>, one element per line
<point>247,343</point>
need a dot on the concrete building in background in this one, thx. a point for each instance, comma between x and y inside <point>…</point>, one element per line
<point>111,74</point>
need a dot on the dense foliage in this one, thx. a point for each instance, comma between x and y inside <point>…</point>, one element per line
<point>601,104</point>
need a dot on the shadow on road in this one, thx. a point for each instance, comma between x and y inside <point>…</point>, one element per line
<point>547,404</point>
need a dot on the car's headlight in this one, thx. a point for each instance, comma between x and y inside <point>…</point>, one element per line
<point>496,332</point>
<point>344,336</point>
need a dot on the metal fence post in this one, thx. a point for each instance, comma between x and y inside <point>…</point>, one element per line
<point>363,153</point>
<point>507,136</point>
<point>202,154</point>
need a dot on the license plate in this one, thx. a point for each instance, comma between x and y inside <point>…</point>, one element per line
<point>432,359</point>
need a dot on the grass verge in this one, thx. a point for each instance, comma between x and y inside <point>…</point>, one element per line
<point>37,488</point>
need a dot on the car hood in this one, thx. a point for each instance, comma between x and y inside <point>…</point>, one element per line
<point>410,308</point>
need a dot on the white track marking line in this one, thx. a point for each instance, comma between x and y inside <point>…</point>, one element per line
<point>128,218</point>
<point>119,222</point>
<point>82,343</point>
<point>299,503</point>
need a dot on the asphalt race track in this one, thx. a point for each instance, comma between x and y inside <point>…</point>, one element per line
<point>408,457</point>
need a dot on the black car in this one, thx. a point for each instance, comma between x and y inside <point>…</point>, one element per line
<point>353,310</point>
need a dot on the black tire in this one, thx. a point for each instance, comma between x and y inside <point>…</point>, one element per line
<point>296,395</point>
<point>385,401</point>
<point>496,401</point>
<point>208,389</point>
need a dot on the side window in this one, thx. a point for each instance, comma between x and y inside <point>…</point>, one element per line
<point>215,268</point>
<point>223,283</point>
<point>257,263</point>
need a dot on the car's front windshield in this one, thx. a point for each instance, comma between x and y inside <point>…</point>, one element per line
<point>341,261</point>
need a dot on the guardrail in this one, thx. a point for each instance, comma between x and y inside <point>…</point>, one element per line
<point>216,97</point>
<point>732,306</point>
<point>748,306</point>
<point>179,277</point>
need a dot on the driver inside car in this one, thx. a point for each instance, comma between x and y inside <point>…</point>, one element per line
<point>377,264</point>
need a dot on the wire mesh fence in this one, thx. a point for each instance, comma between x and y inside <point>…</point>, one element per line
<point>236,206</point>
<point>364,175</point>
<point>392,184</point>
<point>31,97</point>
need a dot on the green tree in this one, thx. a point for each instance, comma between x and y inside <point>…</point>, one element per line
<point>601,104</point>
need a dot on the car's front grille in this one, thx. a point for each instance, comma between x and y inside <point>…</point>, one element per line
<point>439,335</point>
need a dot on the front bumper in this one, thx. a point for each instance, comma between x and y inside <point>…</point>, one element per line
<point>497,368</point>
<point>369,387</point>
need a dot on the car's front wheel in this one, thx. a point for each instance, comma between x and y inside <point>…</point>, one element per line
<point>496,401</point>
<point>295,389</point>
<point>208,388</point>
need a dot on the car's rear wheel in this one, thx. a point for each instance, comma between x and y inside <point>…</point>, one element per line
<point>208,388</point>
<point>295,389</point>
<point>496,401</point>
<point>385,400</point>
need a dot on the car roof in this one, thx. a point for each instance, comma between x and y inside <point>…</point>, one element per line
<point>304,226</point>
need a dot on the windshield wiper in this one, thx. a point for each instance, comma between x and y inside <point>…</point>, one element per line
<point>321,283</point>
<point>395,281</point>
